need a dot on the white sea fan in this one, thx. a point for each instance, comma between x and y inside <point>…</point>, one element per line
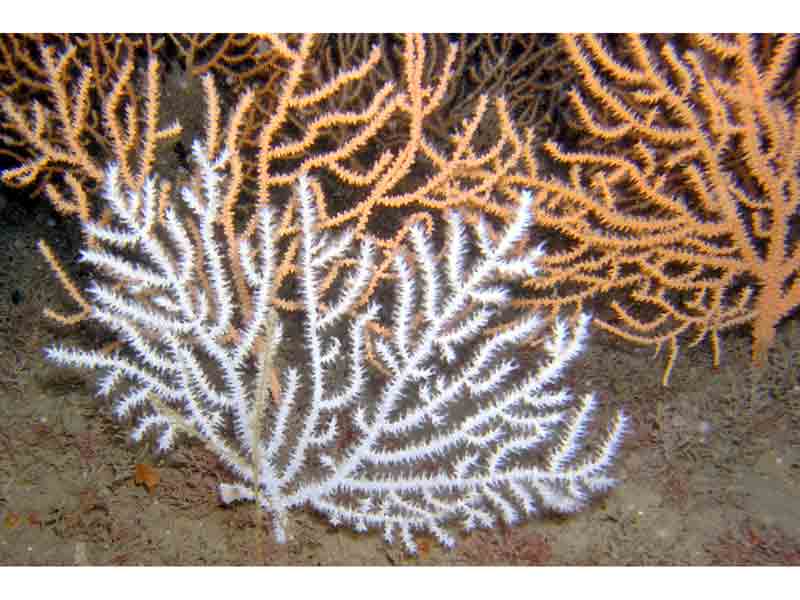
<point>454,428</point>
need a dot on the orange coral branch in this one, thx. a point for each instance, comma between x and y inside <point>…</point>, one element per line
<point>690,183</point>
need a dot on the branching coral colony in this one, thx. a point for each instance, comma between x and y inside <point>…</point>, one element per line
<point>456,430</point>
<point>452,428</point>
<point>682,207</point>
